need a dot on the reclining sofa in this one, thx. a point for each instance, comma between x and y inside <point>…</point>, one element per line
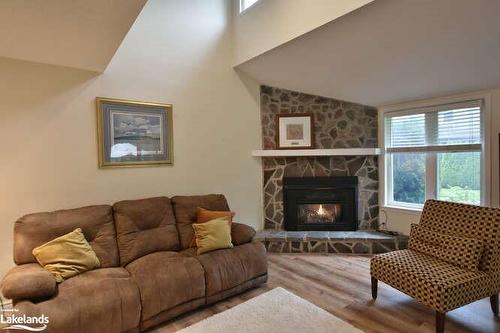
<point>148,273</point>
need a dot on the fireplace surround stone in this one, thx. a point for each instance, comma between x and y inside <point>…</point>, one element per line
<point>337,124</point>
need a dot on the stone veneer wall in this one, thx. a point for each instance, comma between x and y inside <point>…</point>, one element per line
<point>337,124</point>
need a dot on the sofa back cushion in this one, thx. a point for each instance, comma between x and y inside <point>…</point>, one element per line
<point>460,251</point>
<point>185,208</point>
<point>145,226</point>
<point>96,223</point>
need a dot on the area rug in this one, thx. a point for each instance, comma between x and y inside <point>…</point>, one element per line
<point>275,311</point>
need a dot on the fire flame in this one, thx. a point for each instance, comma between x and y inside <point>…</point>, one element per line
<point>321,211</point>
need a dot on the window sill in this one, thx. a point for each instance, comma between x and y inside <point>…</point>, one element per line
<point>401,209</point>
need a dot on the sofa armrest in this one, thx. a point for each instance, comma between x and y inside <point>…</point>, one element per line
<point>241,233</point>
<point>29,281</point>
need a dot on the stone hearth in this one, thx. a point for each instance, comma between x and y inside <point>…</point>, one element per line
<point>355,242</point>
<point>337,124</point>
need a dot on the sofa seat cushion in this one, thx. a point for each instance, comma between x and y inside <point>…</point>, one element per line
<point>165,280</point>
<point>102,300</point>
<point>228,268</point>
<point>432,281</point>
<point>189,252</point>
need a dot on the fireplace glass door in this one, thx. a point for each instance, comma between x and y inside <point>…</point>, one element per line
<point>323,213</point>
<point>320,203</point>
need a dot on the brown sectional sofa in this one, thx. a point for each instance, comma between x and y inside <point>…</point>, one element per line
<point>148,272</point>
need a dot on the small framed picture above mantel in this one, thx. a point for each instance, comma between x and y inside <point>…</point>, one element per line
<point>133,134</point>
<point>294,131</point>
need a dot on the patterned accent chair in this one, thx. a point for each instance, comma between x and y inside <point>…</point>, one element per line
<point>453,258</point>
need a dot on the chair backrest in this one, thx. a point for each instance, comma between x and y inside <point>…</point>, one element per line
<point>467,221</point>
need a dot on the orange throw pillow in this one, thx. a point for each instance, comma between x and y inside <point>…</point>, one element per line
<point>204,215</point>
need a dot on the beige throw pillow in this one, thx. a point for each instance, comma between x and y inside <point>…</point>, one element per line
<point>67,256</point>
<point>204,215</point>
<point>212,235</point>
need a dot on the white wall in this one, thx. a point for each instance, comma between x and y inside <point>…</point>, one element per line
<point>400,220</point>
<point>177,52</point>
<point>270,23</point>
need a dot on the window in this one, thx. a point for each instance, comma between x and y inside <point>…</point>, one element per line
<point>244,4</point>
<point>435,153</point>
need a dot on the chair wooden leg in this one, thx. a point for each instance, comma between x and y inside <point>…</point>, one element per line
<point>374,288</point>
<point>440,317</point>
<point>494,304</point>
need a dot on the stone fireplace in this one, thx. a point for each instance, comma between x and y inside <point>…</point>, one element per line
<point>337,124</point>
<point>320,203</point>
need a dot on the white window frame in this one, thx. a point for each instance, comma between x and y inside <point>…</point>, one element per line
<point>431,162</point>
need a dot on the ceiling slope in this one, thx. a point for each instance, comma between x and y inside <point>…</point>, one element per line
<point>270,23</point>
<point>83,34</point>
<point>391,51</point>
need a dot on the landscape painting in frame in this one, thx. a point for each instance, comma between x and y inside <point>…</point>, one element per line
<point>133,133</point>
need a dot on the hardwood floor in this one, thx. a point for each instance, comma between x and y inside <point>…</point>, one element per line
<point>340,284</point>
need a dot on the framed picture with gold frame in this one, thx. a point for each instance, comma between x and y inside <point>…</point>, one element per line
<point>133,133</point>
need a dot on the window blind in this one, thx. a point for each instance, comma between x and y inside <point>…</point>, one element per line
<point>454,127</point>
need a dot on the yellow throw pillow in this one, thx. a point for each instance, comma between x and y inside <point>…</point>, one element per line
<point>204,215</point>
<point>67,256</point>
<point>212,235</point>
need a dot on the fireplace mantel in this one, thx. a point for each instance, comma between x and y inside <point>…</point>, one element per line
<point>316,152</point>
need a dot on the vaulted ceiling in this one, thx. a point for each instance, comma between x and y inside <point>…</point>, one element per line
<point>391,51</point>
<point>82,34</point>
